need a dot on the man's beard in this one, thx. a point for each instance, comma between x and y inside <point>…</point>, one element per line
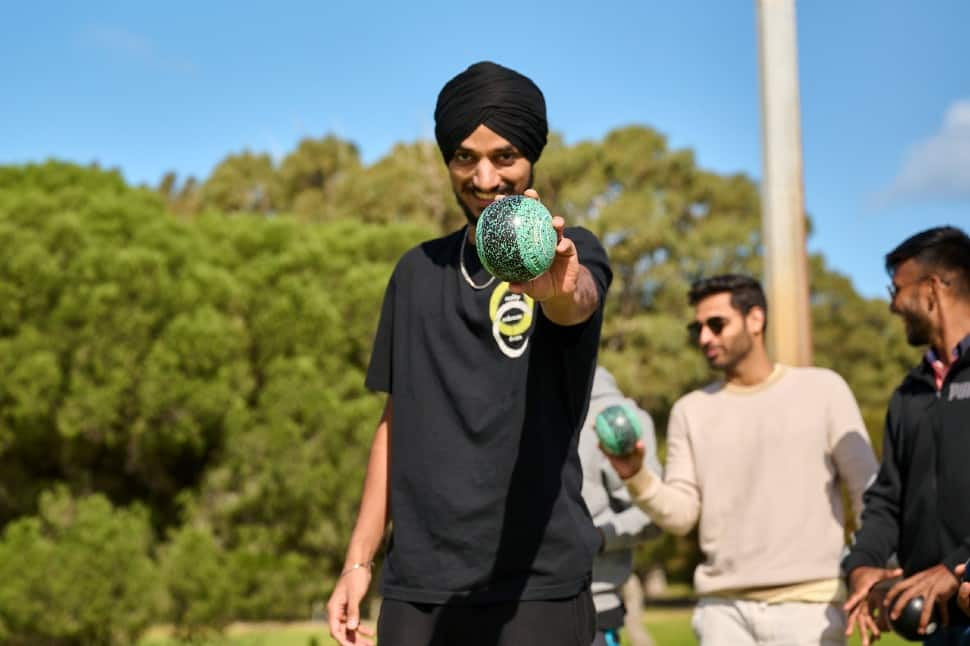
<point>471,217</point>
<point>505,190</point>
<point>919,329</point>
<point>734,352</point>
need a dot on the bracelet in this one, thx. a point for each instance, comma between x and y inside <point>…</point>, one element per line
<point>355,566</point>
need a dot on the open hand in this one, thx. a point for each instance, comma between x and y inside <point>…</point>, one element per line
<point>862,604</point>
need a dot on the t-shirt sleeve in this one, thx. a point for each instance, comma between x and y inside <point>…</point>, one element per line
<point>849,441</point>
<point>593,256</point>
<point>878,536</point>
<point>379,371</point>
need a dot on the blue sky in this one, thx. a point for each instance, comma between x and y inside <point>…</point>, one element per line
<point>152,87</point>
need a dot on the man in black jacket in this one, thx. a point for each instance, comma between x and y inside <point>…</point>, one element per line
<point>918,508</point>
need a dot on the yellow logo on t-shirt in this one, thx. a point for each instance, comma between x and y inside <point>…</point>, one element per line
<point>511,316</point>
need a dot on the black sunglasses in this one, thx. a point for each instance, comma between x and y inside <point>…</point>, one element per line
<point>715,324</point>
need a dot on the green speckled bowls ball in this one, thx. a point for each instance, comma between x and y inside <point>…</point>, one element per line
<point>515,239</point>
<point>618,429</point>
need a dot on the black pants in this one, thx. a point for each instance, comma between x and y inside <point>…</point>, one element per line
<point>562,622</point>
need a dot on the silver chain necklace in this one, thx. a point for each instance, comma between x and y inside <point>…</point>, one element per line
<point>461,264</point>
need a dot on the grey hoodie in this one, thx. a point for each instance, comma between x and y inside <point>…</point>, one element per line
<point>622,524</point>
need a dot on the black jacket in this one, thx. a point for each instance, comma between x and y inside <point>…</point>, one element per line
<point>919,505</point>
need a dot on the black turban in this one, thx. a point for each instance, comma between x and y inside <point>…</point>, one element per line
<point>508,103</point>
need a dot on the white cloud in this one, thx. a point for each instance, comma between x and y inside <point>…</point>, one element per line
<point>938,167</point>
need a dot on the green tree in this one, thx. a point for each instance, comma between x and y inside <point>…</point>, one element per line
<point>181,197</point>
<point>410,184</point>
<point>279,497</point>
<point>309,174</point>
<point>196,575</point>
<point>78,574</point>
<point>244,182</point>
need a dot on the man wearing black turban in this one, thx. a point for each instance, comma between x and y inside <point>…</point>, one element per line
<point>475,462</point>
<point>503,100</point>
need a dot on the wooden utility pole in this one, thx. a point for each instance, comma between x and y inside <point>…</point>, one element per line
<point>782,191</point>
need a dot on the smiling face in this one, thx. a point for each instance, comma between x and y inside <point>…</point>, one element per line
<point>739,332</point>
<point>486,165</point>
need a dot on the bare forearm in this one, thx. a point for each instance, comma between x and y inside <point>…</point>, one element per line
<point>372,516</point>
<point>575,307</point>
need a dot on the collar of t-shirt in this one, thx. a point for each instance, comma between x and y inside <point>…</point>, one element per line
<point>940,370</point>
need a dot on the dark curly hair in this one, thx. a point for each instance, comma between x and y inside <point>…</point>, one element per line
<point>939,249</point>
<point>746,292</point>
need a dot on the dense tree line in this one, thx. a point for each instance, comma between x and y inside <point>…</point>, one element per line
<point>182,407</point>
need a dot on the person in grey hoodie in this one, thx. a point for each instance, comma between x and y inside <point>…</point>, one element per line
<point>621,524</point>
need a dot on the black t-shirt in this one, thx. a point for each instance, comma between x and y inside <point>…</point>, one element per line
<point>489,397</point>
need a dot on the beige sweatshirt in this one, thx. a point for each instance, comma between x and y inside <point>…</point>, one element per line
<point>760,468</point>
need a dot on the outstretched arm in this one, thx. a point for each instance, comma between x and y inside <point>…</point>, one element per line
<point>567,292</point>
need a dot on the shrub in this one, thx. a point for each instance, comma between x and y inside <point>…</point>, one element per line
<point>194,572</point>
<point>78,574</point>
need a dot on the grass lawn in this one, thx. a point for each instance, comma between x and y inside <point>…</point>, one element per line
<point>671,627</point>
<point>263,634</point>
<point>667,626</point>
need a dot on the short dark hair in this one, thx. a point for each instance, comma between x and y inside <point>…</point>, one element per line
<point>941,248</point>
<point>746,292</point>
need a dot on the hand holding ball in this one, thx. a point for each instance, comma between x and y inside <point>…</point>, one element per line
<point>618,429</point>
<point>515,239</point>
<point>906,625</point>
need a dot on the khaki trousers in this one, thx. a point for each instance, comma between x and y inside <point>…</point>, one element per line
<point>721,621</point>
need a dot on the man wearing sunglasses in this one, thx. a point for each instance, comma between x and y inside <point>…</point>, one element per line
<point>756,460</point>
<point>919,505</point>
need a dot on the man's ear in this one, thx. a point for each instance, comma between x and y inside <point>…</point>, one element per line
<point>940,287</point>
<point>755,318</point>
